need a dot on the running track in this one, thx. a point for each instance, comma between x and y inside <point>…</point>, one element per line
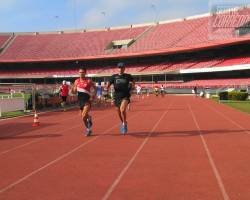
<point>178,148</point>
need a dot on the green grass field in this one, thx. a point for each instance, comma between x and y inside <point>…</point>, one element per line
<point>241,105</point>
<point>26,96</point>
<point>15,113</point>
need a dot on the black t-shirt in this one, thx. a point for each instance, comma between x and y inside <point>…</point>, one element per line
<point>121,84</point>
<point>195,89</point>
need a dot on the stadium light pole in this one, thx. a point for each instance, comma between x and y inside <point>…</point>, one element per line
<point>104,16</point>
<point>75,14</point>
<point>165,79</point>
<point>153,7</point>
<point>57,22</point>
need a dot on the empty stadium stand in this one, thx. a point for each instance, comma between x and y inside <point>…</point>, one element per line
<point>216,83</point>
<point>36,73</point>
<point>136,68</point>
<point>68,45</point>
<point>164,37</point>
<point>3,39</point>
<point>163,50</point>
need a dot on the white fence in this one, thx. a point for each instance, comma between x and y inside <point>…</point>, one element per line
<point>11,104</point>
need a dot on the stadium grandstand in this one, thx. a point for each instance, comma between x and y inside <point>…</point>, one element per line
<point>203,51</point>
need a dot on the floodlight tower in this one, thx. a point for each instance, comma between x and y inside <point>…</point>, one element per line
<point>75,13</point>
<point>57,22</point>
<point>153,7</point>
<point>104,16</point>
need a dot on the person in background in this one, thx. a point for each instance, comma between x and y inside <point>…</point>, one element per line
<point>105,94</point>
<point>138,91</point>
<point>64,89</point>
<point>162,91</point>
<point>99,93</point>
<point>195,91</point>
<point>156,90</point>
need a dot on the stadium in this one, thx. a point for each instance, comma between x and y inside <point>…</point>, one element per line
<point>178,147</point>
<point>201,50</point>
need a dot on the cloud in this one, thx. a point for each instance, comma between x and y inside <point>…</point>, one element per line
<point>104,12</point>
<point>95,13</point>
<point>121,12</point>
<point>8,4</point>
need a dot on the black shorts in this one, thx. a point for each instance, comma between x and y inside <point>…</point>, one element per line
<point>118,101</point>
<point>64,98</point>
<point>83,100</point>
<point>106,96</point>
<point>83,103</point>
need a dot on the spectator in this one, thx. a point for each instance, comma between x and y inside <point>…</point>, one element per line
<point>64,89</point>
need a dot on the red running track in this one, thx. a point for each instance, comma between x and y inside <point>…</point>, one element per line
<point>177,148</point>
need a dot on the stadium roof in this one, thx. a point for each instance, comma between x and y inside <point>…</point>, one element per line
<point>189,34</point>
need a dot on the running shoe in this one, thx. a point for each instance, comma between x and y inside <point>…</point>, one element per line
<point>89,122</point>
<point>89,126</point>
<point>89,132</point>
<point>124,129</point>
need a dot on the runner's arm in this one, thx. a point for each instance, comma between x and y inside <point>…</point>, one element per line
<point>93,92</point>
<point>111,81</point>
<point>132,81</point>
<point>74,89</point>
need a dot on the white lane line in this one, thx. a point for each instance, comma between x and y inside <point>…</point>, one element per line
<point>38,140</point>
<point>125,169</point>
<point>210,158</point>
<point>2,190</point>
<point>34,130</point>
<point>20,146</point>
<point>34,141</point>
<point>230,120</point>
<point>45,166</point>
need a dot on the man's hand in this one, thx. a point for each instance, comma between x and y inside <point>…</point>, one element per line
<point>92,98</point>
<point>74,89</point>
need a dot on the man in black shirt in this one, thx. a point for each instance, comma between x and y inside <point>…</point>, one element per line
<point>123,83</point>
<point>195,91</point>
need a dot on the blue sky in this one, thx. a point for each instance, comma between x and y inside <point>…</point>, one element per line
<point>50,15</point>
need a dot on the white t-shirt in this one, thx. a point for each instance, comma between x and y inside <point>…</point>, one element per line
<point>138,89</point>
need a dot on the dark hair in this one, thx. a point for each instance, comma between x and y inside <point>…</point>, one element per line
<point>120,65</point>
<point>83,68</point>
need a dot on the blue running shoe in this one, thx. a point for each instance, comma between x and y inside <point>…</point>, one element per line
<point>89,132</point>
<point>89,126</point>
<point>125,128</point>
<point>122,129</point>
<point>89,122</point>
